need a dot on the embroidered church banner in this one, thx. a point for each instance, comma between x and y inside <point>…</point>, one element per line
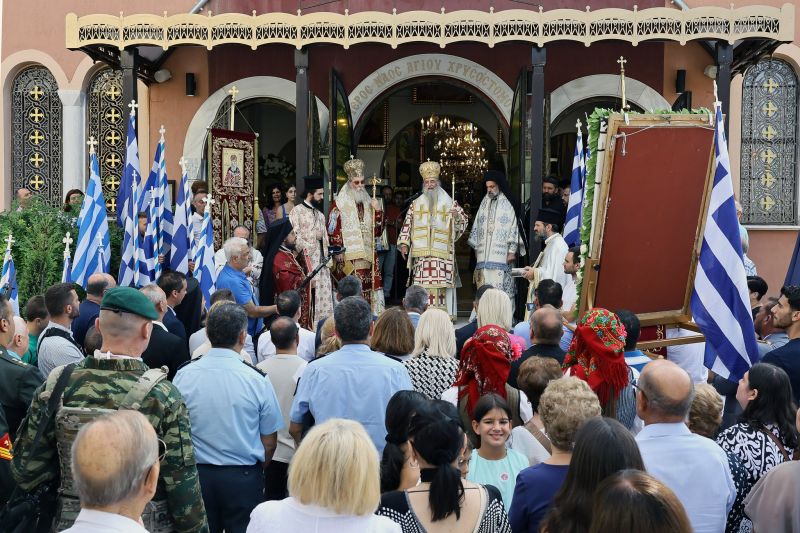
<point>232,181</point>
<point>656,181</point>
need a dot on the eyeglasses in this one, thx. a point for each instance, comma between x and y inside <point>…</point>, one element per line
<point>638,388</point>
<point>162,450</point>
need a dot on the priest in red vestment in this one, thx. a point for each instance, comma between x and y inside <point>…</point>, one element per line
<point>355,223</point>
<point>286,267</point>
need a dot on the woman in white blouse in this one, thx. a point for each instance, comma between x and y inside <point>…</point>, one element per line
<point>335,454</point>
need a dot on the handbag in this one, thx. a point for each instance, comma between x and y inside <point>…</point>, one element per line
<point>34,511</point>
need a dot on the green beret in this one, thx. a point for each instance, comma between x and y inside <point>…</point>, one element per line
<point>129,300</point>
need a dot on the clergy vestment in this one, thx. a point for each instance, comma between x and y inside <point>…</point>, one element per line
<point>430,233</point>
<point>357,227</point>
<point>288,272</point>
<point>494,235</point>
<point>550,265</point>
<point>312,239</point>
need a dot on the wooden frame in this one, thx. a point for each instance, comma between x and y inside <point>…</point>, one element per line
<point>678,316</point>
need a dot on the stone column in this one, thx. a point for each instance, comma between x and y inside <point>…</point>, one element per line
<point>73,156</point>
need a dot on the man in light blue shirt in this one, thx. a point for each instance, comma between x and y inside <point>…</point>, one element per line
<point>354,382</point>
<point>233,276</point>
<point>694,467</point>
<point>235,418</point>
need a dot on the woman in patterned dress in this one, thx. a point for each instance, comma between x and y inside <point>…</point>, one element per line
<point>443,501</point>
<point>275,208</point>
<point>766,435</point>
<point>432,367</point>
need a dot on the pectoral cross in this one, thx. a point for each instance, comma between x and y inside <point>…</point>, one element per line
<point>9,241</point>
<point>92,142</point>
<point>133,105</point>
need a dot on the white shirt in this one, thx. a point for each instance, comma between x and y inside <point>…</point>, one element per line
<point>695,468</point>
<point>688,356</point>
<point>522,441</point>
<point>200,337</point>
<point>197,225</point>
<point>91,521</point>
<point>551,265</point>
<point>525,409</point>
<point>306,349</point>
<point>291,515</point>
<point>569,294</point>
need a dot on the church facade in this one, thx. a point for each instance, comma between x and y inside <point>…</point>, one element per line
<point>319,81</point>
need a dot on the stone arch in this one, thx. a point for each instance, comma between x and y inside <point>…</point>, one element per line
<point>375,85</point>
<point>604,85</point>
<point>253,87</point>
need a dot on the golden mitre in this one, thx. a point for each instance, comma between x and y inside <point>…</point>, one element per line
<point>430,169</point>
<point>354,168</point>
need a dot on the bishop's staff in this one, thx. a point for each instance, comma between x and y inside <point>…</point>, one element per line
<point>374,181</point>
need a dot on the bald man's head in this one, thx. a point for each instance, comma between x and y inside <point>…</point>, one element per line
<point>97,285</point>
<point>668,392</point>
<point>112,457</point>
<point>546,325</point>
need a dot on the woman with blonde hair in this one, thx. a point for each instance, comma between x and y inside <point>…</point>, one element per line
<point>432,366</point>
<point>495,308</point>
<point>329,341</point>
<point>334,485</point>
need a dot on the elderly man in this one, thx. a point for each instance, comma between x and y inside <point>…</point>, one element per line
<point>356,222</point>
<point>415,302</point>
<point>115,377</point>
<point>694,467</point>
<point>23,198</point>
<point>433,224</point>
<point>96,287</point>
<point>18,380</point>
<point>353,382</point>
<point>164,348</point>
<point>56,345</point>
<point>545,334</point>
<point>233,277</point>
<point>115,463</point>
<point>253,268</point>
<point>495,236</point>
<point>234,433</point>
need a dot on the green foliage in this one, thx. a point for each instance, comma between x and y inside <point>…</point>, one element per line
<point>38,250</point>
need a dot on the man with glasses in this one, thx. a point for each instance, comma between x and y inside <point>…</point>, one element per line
<point>111,379</point>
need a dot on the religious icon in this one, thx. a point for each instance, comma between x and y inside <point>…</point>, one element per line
<point>231,160</point>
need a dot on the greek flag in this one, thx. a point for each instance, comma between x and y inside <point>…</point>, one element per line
<point>130,258</point>
<point>148,258</point>
<point>182,242</point>
<point>572,226</point>
<point>720,303</point>
<point>130,174</point>
<point>156,189</point>
<point>93,251</point>
<point>8,279</point>
<point>204,270</point>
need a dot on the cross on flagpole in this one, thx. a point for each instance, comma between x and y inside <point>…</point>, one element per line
<point>162,130</point>
<point>92,142</point>
<point>67,240</point>
<point>133,105</point>
<point>182,163</point>
<point>9,241</point>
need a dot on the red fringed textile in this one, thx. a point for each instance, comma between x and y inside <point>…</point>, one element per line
<point>484,366</point>
<point>597,353</point>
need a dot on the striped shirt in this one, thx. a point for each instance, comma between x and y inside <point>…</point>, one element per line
<point>56,351</point>
<point>636,360</point>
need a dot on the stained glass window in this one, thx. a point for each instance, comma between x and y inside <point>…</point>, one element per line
<point>107,123</point>
<point>769,144</point>
<point>36,134</point>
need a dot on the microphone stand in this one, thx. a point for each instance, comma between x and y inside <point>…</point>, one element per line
<point>322,264</point>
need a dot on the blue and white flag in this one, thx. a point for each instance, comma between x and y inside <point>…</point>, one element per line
<point>131,173</point>
<point>164,206</point>
<point>720,303</point>
<point>93,251</point>
<point>148,257</point>
<point>8,279</point>
<point>66,269</point>
<point>130,252</point>
<point>572,225</point>
<point>204,270</point>
<point>182,244</point>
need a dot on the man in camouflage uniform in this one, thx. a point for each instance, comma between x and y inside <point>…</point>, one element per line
<point>102,383</point>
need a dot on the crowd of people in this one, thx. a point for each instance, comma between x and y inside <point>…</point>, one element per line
<point>288,405</point>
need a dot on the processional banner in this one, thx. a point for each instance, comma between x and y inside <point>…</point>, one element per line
<point>232,182</point>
